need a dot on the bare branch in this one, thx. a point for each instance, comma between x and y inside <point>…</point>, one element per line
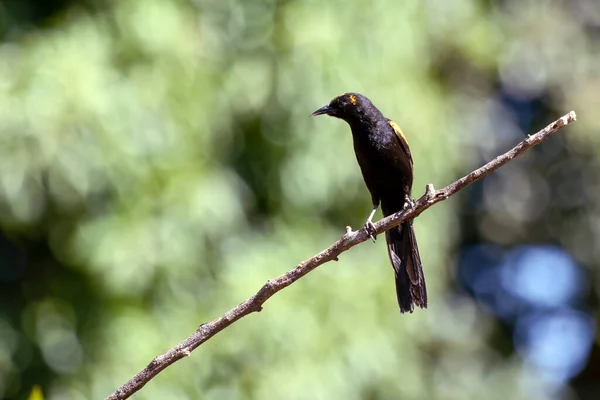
<point>348,240</point>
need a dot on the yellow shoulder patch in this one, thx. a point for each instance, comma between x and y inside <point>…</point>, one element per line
<point>352,99</point>
<point>36,393</point>
<point>397,129</point>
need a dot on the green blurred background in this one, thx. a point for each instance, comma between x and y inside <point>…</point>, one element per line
<point>157,166</point>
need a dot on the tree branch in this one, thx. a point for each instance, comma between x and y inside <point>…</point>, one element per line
<point>348,240</point>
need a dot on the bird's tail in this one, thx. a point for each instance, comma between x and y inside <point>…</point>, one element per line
<point>404,255</point>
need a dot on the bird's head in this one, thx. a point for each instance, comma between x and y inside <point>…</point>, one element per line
<point>347,106</point>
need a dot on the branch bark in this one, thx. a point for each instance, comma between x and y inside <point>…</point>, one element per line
<point>348,240</point>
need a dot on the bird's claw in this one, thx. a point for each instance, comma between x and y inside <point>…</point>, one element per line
<point>370,228</point>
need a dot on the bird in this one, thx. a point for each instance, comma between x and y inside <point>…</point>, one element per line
<point>386,164</point>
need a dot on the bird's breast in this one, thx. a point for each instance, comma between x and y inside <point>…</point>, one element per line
<point>386,169</point>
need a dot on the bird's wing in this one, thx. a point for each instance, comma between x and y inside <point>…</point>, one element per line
<point>401,139</point>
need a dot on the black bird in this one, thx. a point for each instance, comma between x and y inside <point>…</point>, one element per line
<point>387,168</point>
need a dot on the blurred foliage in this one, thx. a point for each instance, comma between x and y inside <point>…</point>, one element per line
<point>157,166</point>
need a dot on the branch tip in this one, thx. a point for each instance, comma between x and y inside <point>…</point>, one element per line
<point>429,190</point>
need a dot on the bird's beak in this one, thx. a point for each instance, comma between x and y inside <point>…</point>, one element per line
<point>323,110</point>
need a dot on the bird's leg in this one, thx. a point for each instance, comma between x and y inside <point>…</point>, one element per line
<point>408,201</point>
<point>369,227</point>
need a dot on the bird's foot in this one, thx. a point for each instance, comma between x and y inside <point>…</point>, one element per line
<point>408,202</point>
<point>370,228</point>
